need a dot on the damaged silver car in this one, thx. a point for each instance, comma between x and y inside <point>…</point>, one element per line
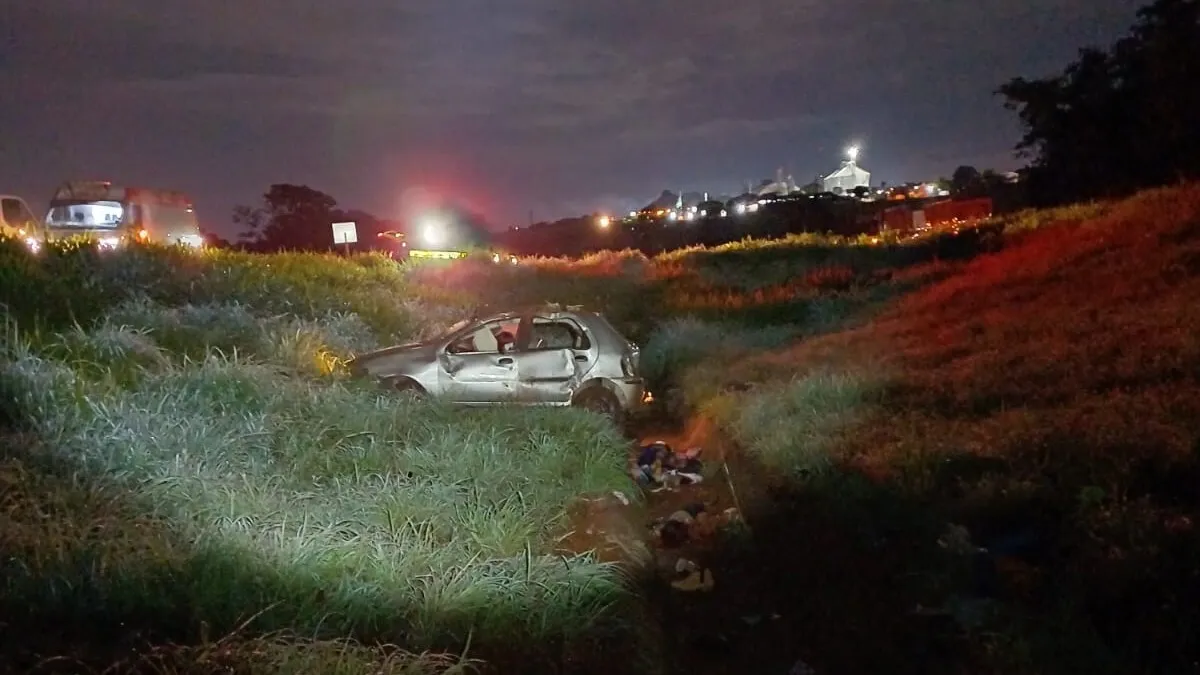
<point>551,356</point>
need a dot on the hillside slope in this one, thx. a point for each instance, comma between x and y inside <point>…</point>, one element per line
<point>1046,398</point>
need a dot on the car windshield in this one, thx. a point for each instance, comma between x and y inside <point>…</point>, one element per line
<point>85,214</point>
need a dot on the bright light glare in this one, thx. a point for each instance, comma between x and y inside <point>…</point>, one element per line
<point>110,242</point>
<point>433,234</point>
<point>193,240</point>
<point>739,208</point>
<point>33,244</point>
<point>604,221</point>
<point>852,152</point>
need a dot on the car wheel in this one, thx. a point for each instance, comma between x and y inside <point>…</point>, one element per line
<point>602,402</point>
<point>408,390</point>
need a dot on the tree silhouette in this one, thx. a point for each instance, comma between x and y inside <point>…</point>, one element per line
<point>1118,120</point>
<point>290,217</point>
<point>966,181</point>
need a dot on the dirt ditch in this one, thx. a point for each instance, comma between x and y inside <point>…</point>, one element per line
<point>779,587</point>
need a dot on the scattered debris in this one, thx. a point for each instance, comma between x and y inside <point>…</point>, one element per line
<point>675,530</point>
<point>755,619</point>
<point>957,539</point>
<point>691,522</point>
<point>692,577</point>
<point>969,613</point>
<point>801,668</point>
<point>695,522</point>
<point>659,467</point>
<point>672,533</point>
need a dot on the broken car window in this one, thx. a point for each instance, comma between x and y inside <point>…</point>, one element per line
<point>556,334</point>
<point>490,338</point>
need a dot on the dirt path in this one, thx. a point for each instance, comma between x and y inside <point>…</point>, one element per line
<point>797,591</point>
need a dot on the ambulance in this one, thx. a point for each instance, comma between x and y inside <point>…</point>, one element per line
<point>115,215</point>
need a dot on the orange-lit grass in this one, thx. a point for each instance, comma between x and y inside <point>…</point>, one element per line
<point>1066,316</point>
<point>690,293</point>
<point>1068,365</point>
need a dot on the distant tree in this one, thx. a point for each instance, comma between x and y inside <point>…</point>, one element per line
<point>992,180</point>
<point>1118,120</point>
<point>967,182</point>
<point>214,240</point>
<point>251,220</point>
<point>290,217</point>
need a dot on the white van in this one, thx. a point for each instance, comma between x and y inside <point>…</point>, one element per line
<point>114,214</point>
<point>17,220</point>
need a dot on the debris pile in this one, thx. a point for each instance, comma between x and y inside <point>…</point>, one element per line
<point>691,577</point>
<point>693,522</point>
<point>659,467</point>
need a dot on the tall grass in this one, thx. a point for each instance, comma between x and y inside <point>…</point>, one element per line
<point>346,511</point>
<point>190,419</point>
<point>194,463</point>
<point>1045,398</point>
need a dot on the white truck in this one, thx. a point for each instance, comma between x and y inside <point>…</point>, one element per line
<point>115,214</point>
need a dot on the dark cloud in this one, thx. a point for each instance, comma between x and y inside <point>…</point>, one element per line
<point>528,103</point>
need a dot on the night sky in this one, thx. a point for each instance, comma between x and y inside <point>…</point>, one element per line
<point>552,106</point>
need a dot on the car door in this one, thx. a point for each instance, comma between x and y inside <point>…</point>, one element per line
<point>554,353</point>
<point>476,367</point>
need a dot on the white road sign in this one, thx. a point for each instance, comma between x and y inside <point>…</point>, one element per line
<point>345,233</point>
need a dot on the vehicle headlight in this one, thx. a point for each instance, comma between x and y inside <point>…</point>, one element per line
<point>496,258</point>
<point>193,240</point>
<point>433,233</point>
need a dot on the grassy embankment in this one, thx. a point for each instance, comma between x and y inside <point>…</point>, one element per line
<point>204,465</point>
<point>1045,398</point>
<point>184,464</point>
